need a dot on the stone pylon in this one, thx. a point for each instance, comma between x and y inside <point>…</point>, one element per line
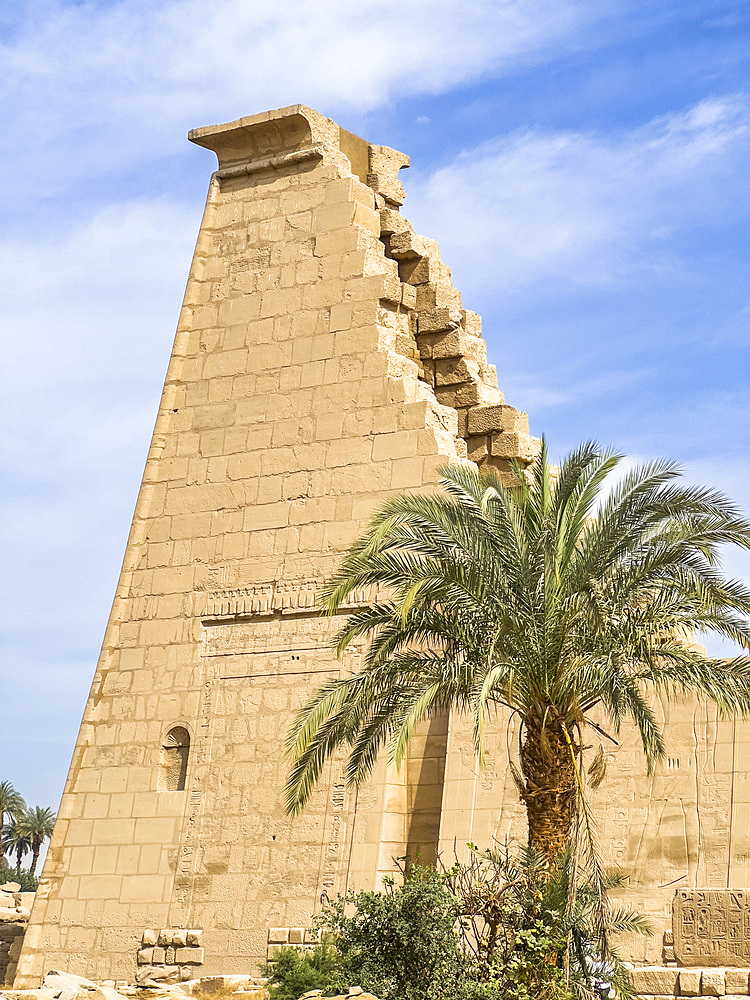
<point>322,361</point>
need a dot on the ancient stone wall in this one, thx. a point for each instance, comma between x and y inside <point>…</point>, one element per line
<point>322,361</point>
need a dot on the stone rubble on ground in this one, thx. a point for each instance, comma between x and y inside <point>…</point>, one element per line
<point>67,986</point>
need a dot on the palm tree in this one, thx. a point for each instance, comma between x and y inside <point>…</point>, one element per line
<point>554,598</point>
<point>15,841</point>
<point>37,825</point>
<point>11,805</point>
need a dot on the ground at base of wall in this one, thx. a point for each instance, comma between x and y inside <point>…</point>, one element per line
<point>66,986</point>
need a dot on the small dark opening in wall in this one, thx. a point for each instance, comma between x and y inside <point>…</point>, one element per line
<point>175,752</point>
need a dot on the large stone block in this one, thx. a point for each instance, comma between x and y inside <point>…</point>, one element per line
<point>655,980</point>
<point>736,981</point>
<point>689,983</point>
<point>713,983</point>
<point>486,419</point>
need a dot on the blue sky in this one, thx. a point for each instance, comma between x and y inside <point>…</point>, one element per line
<point>584,165</point>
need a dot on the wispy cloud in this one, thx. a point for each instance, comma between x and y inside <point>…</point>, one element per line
<point>133,71</point>
<point>76,320</point>
<point>585,207</point>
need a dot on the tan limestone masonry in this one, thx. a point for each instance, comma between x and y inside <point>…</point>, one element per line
<point>323,361</point>
<point>663,982</point>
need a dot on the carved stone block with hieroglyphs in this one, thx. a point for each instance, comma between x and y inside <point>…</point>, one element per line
<point>711,927</point>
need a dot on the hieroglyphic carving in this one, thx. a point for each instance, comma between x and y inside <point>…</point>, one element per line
<point>712,926</point>
<point>336,822</point>
<point>184,879</point>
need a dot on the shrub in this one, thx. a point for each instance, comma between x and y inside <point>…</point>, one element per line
<point>293,973</point>
<point>399,943</point>
<point>26,879</point>
<point>501,927</point>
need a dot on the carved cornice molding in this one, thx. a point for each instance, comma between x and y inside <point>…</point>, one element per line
<point>277,597</point>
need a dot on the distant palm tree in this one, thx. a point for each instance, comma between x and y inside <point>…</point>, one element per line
<point>551,598</point>
<point>11,805</point>
<point>37,824</point>
<point>15,841</point>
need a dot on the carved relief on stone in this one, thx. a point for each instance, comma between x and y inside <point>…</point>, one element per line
<point>711,927</point>
<point>285,596</point>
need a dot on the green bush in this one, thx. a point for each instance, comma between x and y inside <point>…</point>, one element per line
<point>501,927</point>
<point>27,881</point>
<point>293,973</point>
<point>399,943</point>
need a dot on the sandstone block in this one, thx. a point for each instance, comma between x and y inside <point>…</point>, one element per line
<point>471,323</point>
<point>159,955</point>
<point>278,935</point>
<point>438,320</point>
<point>162,973</point>
<point>655,980</point>
<point>189,956</point>
<point>689,983</point>
<point>146,956</point>
<point>407,245</point>
<point>477,449</point>
<point>485,419</point>
<point>736,981</point>
<point>408,296</point>
<point>391,221</point>
<point>179,938</point>
<point>713,983</point>
<point>506,445</point>
<point>388,187</point>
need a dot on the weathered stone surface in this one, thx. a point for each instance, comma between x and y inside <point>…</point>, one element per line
<point>655,980</point>
<point>713,983</point>
<point>66,985</point>
<point>189,956</point>
<point>736,981</point>
<point>689,983</point>
<point>710,926</point>
<point>486,419</point>
<point>296,400</point>
<point>439,320</point>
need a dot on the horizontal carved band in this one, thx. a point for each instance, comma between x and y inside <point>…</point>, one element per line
<point>287,597</point>
<point>272,162</point>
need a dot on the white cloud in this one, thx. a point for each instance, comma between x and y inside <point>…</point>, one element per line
<point>588,208</point>
<point>132,71</point>
<point>541,392</point>
<point>100,298</point>
<point>189,53</point>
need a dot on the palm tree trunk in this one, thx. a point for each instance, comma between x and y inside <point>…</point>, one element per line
<point>19,855</point>
<point>550,794</point>
<point>34,857</point>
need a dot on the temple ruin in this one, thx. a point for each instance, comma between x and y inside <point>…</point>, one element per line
<point>323,360</point>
